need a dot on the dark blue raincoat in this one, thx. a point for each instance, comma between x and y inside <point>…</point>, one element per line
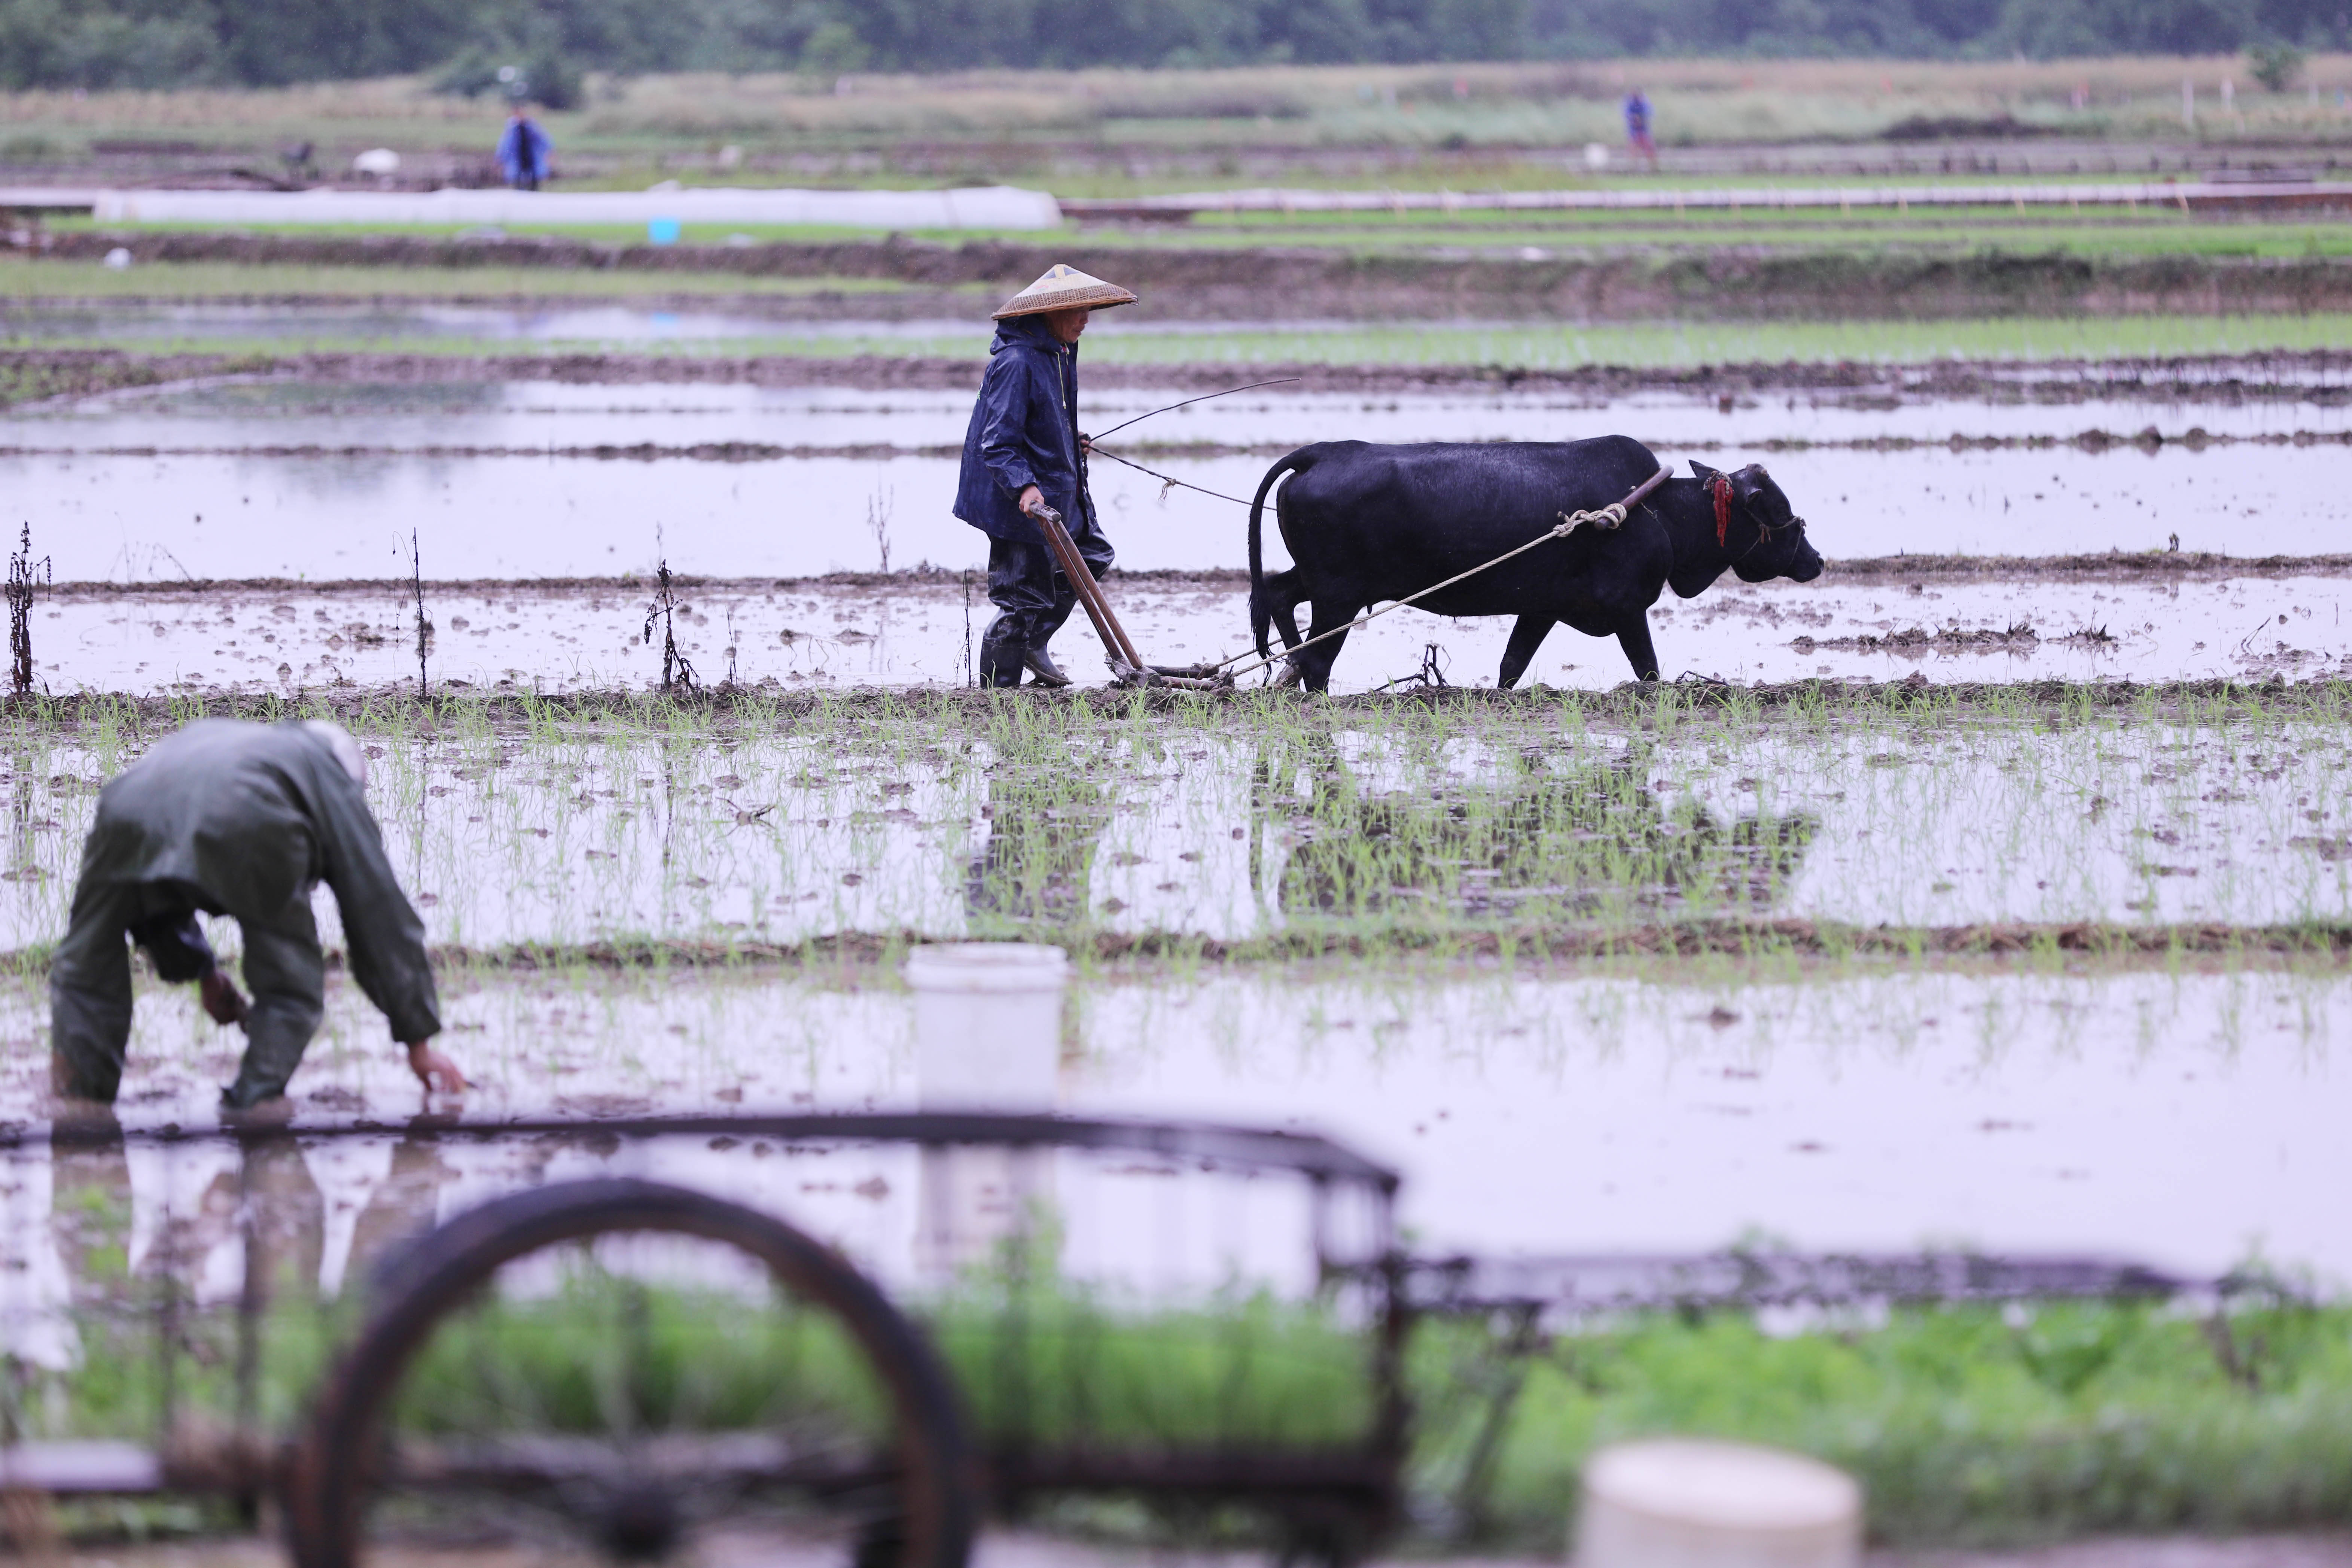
<point>522,152</point>
<point>1024,431</point>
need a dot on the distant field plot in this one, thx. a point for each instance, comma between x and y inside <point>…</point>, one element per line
<point>1095,122</point>
<point>2151,229</point>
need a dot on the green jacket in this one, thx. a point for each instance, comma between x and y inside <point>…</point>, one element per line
<point>245,819</point>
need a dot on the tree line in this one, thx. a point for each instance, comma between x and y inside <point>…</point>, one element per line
<point>174,43</point>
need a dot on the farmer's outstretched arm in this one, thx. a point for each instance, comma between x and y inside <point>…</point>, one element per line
<point>385,936</point>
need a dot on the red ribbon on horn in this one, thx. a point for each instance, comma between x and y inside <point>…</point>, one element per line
<point>1720,489</point>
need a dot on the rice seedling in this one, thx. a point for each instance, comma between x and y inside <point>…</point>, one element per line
<point>1439,826</point>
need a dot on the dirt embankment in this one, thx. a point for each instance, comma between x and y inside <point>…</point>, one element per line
<point>2115,566</point>
<point>2317,377</point>
<point>1193,283</point>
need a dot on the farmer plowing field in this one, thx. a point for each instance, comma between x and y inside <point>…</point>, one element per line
<point>237,818</point>
<point>1024,458</point>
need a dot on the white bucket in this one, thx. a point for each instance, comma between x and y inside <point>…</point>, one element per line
<point>988,1037</point>
<point>1687,1503</point>
<point>988,1024</point>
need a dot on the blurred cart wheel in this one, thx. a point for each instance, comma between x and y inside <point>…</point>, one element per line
<point>618,1370</point>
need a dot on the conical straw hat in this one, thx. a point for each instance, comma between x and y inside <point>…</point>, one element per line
<point>1064,289</point>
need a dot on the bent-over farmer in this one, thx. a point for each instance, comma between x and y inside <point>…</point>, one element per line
<point>240,819</point>
<point>1023,451</point>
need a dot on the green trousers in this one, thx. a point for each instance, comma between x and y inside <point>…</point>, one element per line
<point>90,986</point>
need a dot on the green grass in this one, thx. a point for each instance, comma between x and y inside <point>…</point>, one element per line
<point>1506,346</point>
<point>2094,232</point>
<point>176,281</point>
<point>1965,1427</point>
<point>1967,1424</point>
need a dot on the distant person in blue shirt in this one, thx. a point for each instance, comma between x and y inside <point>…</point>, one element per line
<point>1637,125</point>
<point>523,150</point>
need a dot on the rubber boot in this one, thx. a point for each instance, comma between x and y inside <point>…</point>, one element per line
<point>1002,655</point>
<point>1041,663</point>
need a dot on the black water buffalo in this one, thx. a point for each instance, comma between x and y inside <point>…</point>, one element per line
<point>1365,524</point>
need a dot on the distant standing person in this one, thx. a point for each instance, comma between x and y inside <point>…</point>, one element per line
<point>230,817</point>
<point>1023,452</point>
<point>1637,125</point>
<point>523,150</point>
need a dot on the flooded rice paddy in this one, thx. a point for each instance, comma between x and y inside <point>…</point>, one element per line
<point>2190,1118</point>
<point>282,639</point>
<point>2184,1109</point>
<point>246,479</point>
<point>263,411</point>
<point>925,324</point>
<point>1402,824</point>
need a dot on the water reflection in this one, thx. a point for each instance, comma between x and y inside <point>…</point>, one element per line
<point>1237,829</point>
<point>1035,867</point>
<point>90,1215</point>
<point>1533,1109</point>
<point>1577,837</point>
<point>405,1200</point>
<point>229,1221</point>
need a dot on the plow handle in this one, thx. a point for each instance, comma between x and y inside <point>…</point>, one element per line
<point>1089,592</point>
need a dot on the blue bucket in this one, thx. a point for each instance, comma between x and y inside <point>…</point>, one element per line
<point>662,230</point>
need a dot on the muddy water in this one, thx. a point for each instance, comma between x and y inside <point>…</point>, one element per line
<point>334,516</point>
<point>1355,829</point>
<point>246,480</point>
<point>240,412</point>
<point>1529,1113</point>
<point>922,632</point>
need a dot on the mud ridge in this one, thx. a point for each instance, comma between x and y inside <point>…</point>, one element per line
<point>2194,439</point>
<point>1919,639</point>
<point>1726,939</point>
<point>2318,377</point>
<point>1816,701</point>
<point>2187,564</point>
<point>858,955</point>
<point>2184,565</point>
<point>1231,284</point>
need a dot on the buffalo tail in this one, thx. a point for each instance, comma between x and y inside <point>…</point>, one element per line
<point>1262,613</point>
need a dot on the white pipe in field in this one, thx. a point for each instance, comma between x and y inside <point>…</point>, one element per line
<point>985,206</point>
<point>1687,1503</point>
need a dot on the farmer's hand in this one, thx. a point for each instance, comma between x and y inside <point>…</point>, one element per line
<point>222,1000</point>
<point>433,1070</point>
<point>1033,500</point>
<point>1086,445</point>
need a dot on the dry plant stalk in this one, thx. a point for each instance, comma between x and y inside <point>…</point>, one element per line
<point>664,609</point>
<point>423,627</point>
<point>24,574</point>
<point>877,523</point>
